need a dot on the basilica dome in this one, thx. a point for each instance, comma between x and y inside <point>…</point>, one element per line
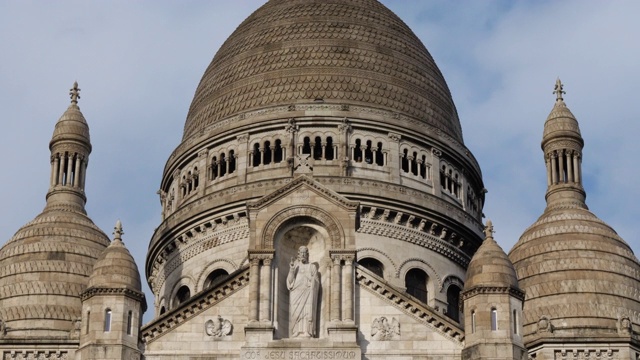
<point>353,52</point>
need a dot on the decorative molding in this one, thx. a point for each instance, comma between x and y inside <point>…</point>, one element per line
<point>195,306</point>
<point>332,226</point>
<point>35,354</point>
<point>410,307</point>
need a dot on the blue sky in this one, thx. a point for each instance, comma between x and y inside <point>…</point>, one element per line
<point>138,65</point>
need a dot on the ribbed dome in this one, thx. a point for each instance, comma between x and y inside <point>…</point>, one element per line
<point>578,272</point>
<point>116,269</point>
<point>44,268</point>
<point>354,52</point>
<point>561,124</point>
<point>490,267</point>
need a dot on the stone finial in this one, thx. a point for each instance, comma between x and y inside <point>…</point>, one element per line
<point>117,231</point>
<point>488,230</point>
<point>74,92</point>
<point>558,90</point>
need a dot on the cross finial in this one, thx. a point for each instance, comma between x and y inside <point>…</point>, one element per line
<point>558,90</point>
<point>488,230</point>
<point>74,92</point>
<point>117,231</point>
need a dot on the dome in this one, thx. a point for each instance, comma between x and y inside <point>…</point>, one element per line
<point>116,268</point>
<point>490,266</point>
<point>72,126</point>
<point>354,52</point>
<point>45,267</point>
<point>579,276</point>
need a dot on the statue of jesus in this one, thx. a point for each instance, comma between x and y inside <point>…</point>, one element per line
<point>303,283</point>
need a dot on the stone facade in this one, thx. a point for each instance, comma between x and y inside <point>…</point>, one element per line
<point>322,128</point>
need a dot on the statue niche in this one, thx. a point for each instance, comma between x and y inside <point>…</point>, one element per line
<point>303,282</point>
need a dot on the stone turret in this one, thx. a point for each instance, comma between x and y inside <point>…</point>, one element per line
<point>46,264</point>
<point>492,305</point>
<point>112,305</point>
<point>579,276</point>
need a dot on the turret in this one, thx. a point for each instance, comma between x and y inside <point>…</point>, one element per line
<point>492,305</point>
<point>112,305</point>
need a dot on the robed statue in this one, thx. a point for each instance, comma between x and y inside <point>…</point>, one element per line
<point>303,283</point>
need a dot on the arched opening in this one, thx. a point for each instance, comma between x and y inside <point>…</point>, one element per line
<point>306,145</point>
<point>473,322</point>
<point>494,319</point>
<point>328,151</point>
<point>232,161</point>
<point>372,265</point>
<point>214,168</point>
<point>267,152</point>
<point>182,295</point>
<point>86,330</point>
<point>162,310</point>
<point>368,153</point>
<point>453,303</point>
<point>223,165</point>
<point>357,152</point>
<point>215,277</point>
<point>317,148</point>
<point>405,160</point>
<point>256,154</point>
<point>277,155</point>
<point>416,284</point>
<point>129,323</point>
<point>379,155</point>
<point>423,167</point>
<point>515,322</point>
<point>107,320</point>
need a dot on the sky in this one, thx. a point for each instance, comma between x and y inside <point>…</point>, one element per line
<point>138,64</point>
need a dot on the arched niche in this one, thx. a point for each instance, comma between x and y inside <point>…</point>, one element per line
<point>287,239</point>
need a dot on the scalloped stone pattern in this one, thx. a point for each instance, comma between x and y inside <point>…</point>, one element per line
<point>341,51</point>
<point>569,253</point>
<point>45,267</point>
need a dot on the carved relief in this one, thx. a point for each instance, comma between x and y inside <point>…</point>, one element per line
<point>381,329</point>
<point>544,325</point>
<point>218,327</point>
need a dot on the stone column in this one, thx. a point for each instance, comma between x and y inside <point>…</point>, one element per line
<point>76,174</point>
<point>265,290</point>
<point>347,286</point>
<point>547,161</point>
<point>554,168</point>
<point>63,159</point>
<point>335,288</point>
<point>254,283</point>
<point>69,170</point>
<point>568,156</point>
<point>576,167</point>
<point>83,171</point>
<point>562,168</point>
<point>55,169</point>
<point>437,186</point>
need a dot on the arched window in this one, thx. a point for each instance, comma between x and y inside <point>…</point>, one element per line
<point>317,148</point>
<point>256,154</point>
<point>107,320</point>
<point>416,284</point>
<point>306,145</point>
<point>214,168</point>
<point>494,319</point>
<point>414,163</point>
<point>328,151</point>
<point>453,302</point>
<point>423,167</point>
<point>368,153</point>
<point>473,321</point>
<point>515,322</point>
<point>182,295</point>
<point>372,265</point>
<point>232,161</point>
<point>277,155</point>
<point>86,329</point>
<point>162,310</point>
<point>196,178</point>
<point>215,277</point>
<point>379,155</point>
<point>405,160</point>
<point>357,152</point>
<point>129,322</point>
<point>267,152</point>
<point>223,165</point>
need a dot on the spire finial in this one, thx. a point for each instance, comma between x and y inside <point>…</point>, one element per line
<point>117,231</point>
<point>558,90</point>
<point>74,92</point>
<point>488,230</point>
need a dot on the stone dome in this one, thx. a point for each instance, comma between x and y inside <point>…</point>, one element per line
<point>490,266</point>
<point>580,278</point>
<point>354,52</point>
<point>116,268</point>
<point>45,267</point>
<point>72,127</point>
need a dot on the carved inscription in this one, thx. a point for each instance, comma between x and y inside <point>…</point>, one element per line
<point>311,354</point>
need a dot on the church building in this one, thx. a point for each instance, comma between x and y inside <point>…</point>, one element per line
<point>321,204</point>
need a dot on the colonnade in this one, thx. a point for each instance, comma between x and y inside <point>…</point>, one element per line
<point>563,166</point>
<point>68,169</point>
